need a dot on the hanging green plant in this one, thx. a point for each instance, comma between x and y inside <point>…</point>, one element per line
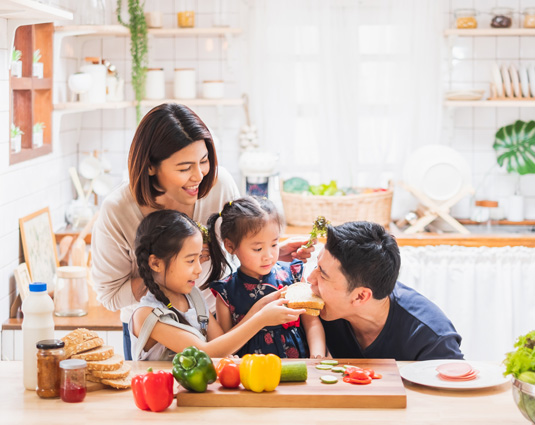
<point>139,46</point>
<point>515,147</point>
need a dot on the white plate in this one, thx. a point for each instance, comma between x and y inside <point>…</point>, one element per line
<point>515,82</point>
<point>424,373</point>
<point>497,79</point>
<point>465,94</point>
<point>438,171</point>
<point>506,82</point>
<point>524,80</point>
<point>531,73</point>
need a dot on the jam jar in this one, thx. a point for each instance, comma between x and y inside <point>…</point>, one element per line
<point>72,385</point>
<point>529,17</point>
<point>49,355</point>
<point>502,17</point>
<point>465,18</point>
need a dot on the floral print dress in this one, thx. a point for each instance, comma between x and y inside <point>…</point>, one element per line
<point>240,291</point>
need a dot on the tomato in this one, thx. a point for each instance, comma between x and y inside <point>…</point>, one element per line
<point>222,364</point>
<point>350,380</point>
<point>360,375</point>
<point>229,375</point>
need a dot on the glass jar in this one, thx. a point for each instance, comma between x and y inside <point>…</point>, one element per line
<point>155,84</point>
<point>71,296</point>
<point>72,384</point>
<point>49,355</point>
<point>186,15</point>
<point>529,17</point>
<point>465,18</point>
<point>502,17</point>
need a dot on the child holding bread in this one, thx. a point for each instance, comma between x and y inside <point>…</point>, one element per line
<point>173,314</point>
<point>250,230</point>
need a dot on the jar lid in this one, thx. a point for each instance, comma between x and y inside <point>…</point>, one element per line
<point>37,287</point>
<point>69,272</point>
<point>72,364</point>
<point>92,59</point>
<point>49,344</point>
<point>154,69</point>
<point>184,69</point>
<point>487,204</point>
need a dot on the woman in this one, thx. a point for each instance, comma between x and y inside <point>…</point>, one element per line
<point>172,164</point>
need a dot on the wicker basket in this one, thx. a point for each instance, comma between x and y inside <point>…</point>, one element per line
<point>302,210</point>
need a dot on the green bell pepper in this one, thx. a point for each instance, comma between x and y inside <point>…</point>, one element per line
<point>193,369</point>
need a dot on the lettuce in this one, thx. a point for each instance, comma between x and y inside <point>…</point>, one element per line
<point>523,359</point>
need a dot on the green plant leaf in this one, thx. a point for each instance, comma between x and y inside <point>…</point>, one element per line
<point>515,147</point>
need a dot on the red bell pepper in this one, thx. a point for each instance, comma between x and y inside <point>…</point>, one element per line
<point>153,391</point>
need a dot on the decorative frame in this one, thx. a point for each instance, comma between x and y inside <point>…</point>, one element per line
<point>39,246</point>
<point>22,277</point>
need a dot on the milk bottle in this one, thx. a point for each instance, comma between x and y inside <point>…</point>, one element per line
<point>38,324</point>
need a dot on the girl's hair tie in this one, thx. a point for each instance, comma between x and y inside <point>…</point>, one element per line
<point>219,213</point>
<point>169,305</point>
<point>229,203</point>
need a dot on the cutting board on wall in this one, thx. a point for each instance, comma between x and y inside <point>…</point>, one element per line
<point>387,392</point>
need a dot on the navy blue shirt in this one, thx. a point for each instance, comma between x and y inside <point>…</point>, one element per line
<point>416,329</point>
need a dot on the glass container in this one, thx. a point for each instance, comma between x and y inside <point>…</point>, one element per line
<point>529,17</point>
<point>186,14</point>
<point>71,297</point>
<point>465,18</point>
<point>502,17</point>
<point>49,354</point>
<point>155,84</point>
<point>72,384</point>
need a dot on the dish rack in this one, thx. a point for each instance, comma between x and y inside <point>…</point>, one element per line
<point>302,210</point>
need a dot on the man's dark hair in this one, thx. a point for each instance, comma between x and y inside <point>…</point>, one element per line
<point>368,254</point>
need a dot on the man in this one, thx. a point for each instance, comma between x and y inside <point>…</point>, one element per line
<point>368,314</point>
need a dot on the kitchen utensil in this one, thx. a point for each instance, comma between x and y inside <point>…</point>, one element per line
<point>531,74</point>
<point>465,94</point>
<point>506,81</point>
<point>77,184</point>
<point>424,373</point>
<point>102,185</point>
<point>79,82</point>
<point>524,80</point>
<point>515,83</point>
<point>78,254</point>
<point>387,392</point>
<point>91,167</point>
<point>71,296</point>
<point>497,79</point>
<point>524,396</point>
<point>65,245</point>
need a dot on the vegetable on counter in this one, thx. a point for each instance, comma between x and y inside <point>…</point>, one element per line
<point>521,363</point>
<point>204,232</point>
<point>193,369</point>
<point>228,373</point>
<point>319,229</point>
<point>357,375</point>
<point>259,372</point>
<point>294,372</point>
<point>153,391</point>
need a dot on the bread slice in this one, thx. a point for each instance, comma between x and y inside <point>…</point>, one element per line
<point>300,295</point>
<point>119,384</point>
<point>92,378</point>
<point>113,363</point>
<point>70,350</point>
<point>122,372</point>
<point>79,340</point>
<point>100,353</point>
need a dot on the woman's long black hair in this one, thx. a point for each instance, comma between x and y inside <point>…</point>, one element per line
<point>239,218</point>
<point>162,234</point>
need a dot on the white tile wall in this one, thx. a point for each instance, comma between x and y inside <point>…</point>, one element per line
<point>471,130</point>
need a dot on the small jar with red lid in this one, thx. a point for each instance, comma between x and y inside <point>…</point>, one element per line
<point>72,386</point>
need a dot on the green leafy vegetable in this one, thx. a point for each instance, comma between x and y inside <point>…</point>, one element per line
<point>523,359</point>
<point>204,231</point>
<point>295,185</point>
<point>318,230</point>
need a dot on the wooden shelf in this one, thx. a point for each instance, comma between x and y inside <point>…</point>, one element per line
<point>121,31</point>
<point>513,103</point>
<point>195,102</point>
<point>490,32</point>
<point>82,106</point>
<point>31,10</point>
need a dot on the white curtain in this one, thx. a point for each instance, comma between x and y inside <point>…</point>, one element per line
<point>345,89</point>
<point>488,293</point>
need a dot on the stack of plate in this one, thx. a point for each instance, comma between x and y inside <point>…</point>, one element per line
<point>514,82</point>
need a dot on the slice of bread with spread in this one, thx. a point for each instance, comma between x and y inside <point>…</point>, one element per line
<point>300,295</point>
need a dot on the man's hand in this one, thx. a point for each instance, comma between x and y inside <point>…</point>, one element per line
<point>293,248</point>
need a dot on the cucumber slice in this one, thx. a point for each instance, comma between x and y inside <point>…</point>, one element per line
<point>328,379</point>
<point>338,369</point>
<point>331,362</point>
<point>294,372</point>
<point>323,367</point>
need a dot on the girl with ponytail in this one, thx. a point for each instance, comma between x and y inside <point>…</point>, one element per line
<point>173,314</point>
<point>250,229</point>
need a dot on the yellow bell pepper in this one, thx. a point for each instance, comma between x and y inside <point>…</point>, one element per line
<point>259,372</point>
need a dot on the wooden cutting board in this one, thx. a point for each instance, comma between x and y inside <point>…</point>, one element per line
<point>387,392</point>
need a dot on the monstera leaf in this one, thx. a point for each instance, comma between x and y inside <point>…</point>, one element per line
<point>515,147</point>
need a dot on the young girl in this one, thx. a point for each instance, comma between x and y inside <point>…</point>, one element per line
<point>250,229</point>
<point>173,315</point>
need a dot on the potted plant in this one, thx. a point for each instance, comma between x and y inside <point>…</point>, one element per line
<point>16,63</point>
<point>515,150</point>
<point>16,138</point>
<point>37,134</point>
<point>138,47</point>
<point>37,69</point>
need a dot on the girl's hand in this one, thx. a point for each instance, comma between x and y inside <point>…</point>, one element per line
<point>205,254</point>
<point>276,313</point>
<point>292,248</point>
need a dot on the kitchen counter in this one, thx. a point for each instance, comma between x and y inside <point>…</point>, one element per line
<point>424,406</point>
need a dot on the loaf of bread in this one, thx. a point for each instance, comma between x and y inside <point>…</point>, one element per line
<point>300,295</point>
<point>100,353</point>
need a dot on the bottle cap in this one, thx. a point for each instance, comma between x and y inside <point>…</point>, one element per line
<point>48,344</point>
<point>72,364</point>
<point>37,287</point>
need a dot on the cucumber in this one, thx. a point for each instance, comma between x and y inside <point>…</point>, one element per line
<point>324,367</point>
<point>331,362</point>
<point>294,372</point>
<point>338,369</point>
<point>328,379</point>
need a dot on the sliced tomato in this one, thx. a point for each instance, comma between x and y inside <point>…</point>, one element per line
<point>350,380</point>
<point>377,375</point>
<point>359,375</point>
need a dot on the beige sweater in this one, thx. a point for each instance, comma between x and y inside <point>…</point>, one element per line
<point>112,243</point>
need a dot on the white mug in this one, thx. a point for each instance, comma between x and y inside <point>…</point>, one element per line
<point>184,83</point>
